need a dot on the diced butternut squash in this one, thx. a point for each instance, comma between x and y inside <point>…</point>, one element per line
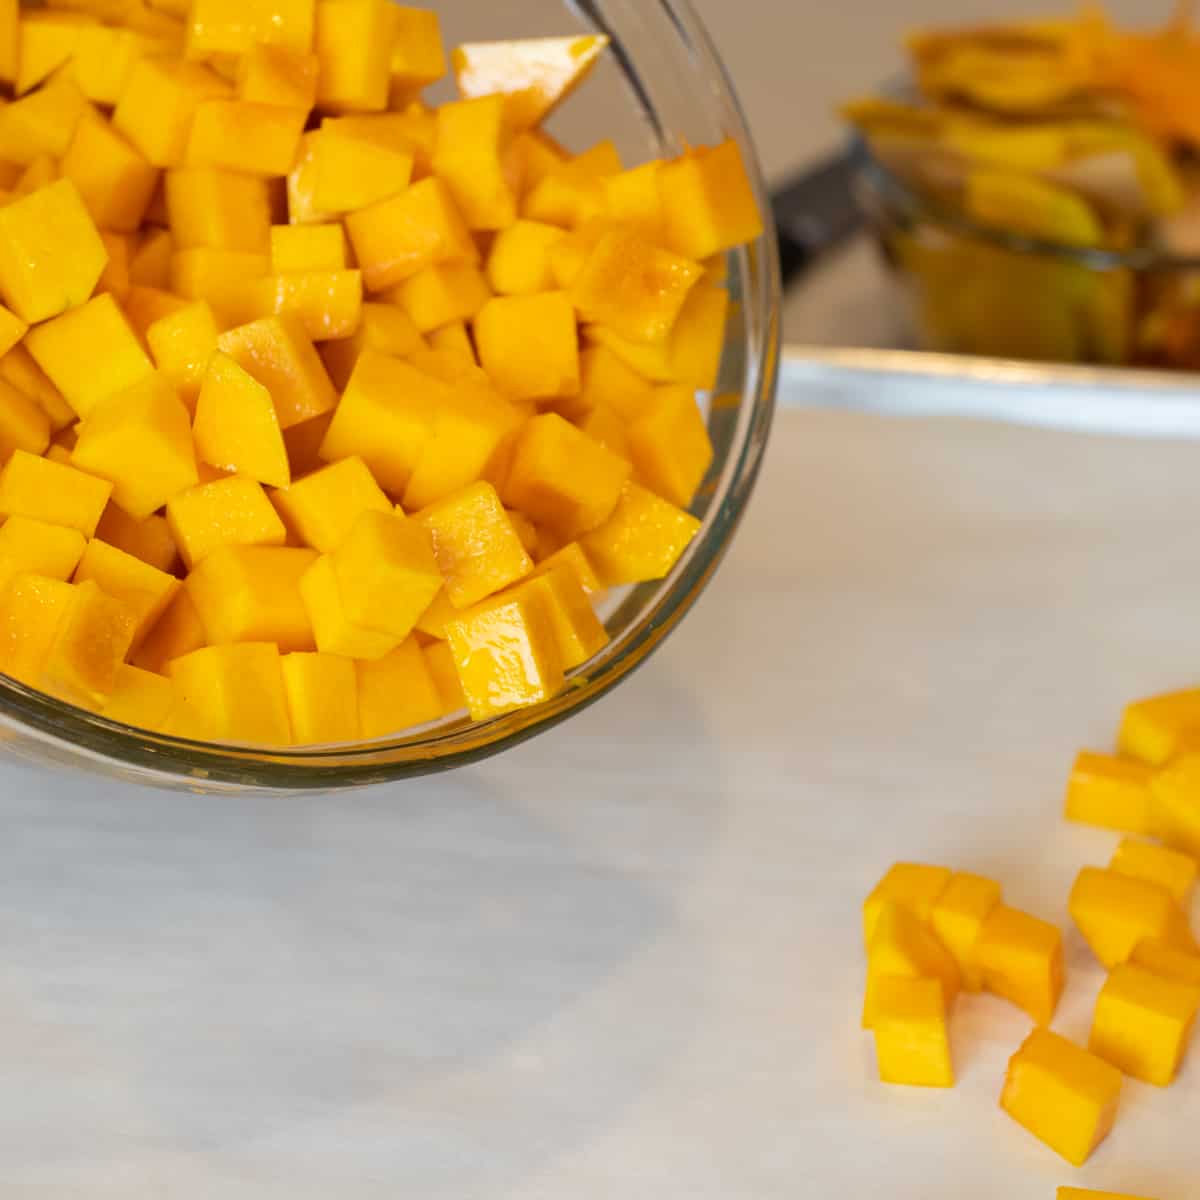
<point>322,698</point>
<point>144,590</point>
<point>51,492</point>
<point>333,630</point>
<point>1167,961</point>
<point>443,294</point>
<point>902,945</point>
<point>150,540</point>
<point>440,662</point>
<point>32,547</point>
<point>641,541</point>
<point>1175,797</point>
<point>1113,793</point>
<point>90,646</point>
<point>382,327</point>
<point>670,446</point>
<point>1156,864</point>
<point>42,123</point>
<point>224,278</point>
<point>156,109</point>
<point>958,917</point>
<point>307,248</point>
<point>912,1041</point>
<point>23,425</point>
<point>397,692</point>
<point>240,690</point>
<point>708,202</point>
<point>323,507</point>
<point>221,209</point>
<point>577,629</point>
<point>354,43</point>
<point>278,75</point>
<point>238,135</point>
<point>326,304</point>
<point>573,557</point>
<point>182,344</point>
<point>1020,958</point>
<point>226,512</point>
<point>354,172</point>
<point>469,157</point>
<point>529,345</point>
<point>519,262</point>
<point>914,886</point>
<point>1115,912</point>
<point>418,56</point>
<point>177,632</point>
<point>221,28</point>
<point>33,611</point>
<point>1153,731</point>
<point>141,698</point>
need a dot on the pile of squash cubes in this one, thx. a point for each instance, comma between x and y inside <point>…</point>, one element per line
<point>325,413</point>
<point>932,932</point>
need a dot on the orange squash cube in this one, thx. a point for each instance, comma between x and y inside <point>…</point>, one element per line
<point>1114,912</point>
<point>43,122</point>
<point>405,234</point>
<point>157,107</point>
<point>323,507</point>
<point>150,540</point>
<point>322,698</point>
<point>240,691</point>
<point>572,557</point>
<point>236,428</point>
<point>47,40</point>
<point>531,157</point>
<point>104,58</point>
<point>301,182</point>
<point>51,492</point>
<point>454,339</point>
<point>39,174</point>
<point>382,327</point>
<point>12,330</point>
<point>327,304</point>
<point>307,248</point>
<point>182,344</point>
<point>577,629</point>
<point>437,616</point>
<point>258,139</point>
<point>221,277</point>
<point>354,172</point>
<point>354,43</point>
<point>144,590</point>
<point>606,382</point>
<point>418,57</point>
<point>534,76</point>
<point>562,479</point>
<point>18,368</point>
<point>469,157</point>
<point>30,547</point>
<point>23,425</point>
<point>397,692</point>
<point>708,202</point>
<point>88,649</point>
<point>226,210</point>
<point>252,593</point>
<point>114,180</point>
<point>670,445</point>
<point>439,661</point>
<point>506,654</point>
<point>1113,793</point>
<point>476,544</point>
<point>333,630</point>
<point>177,632</point>
<point>573,196</point>
<point>1020,958</point>
<point>387,573</point>
<point>141,699</point>
<point>279,354</point>
<point>278,75</point>
<point>33,611</point>
<point>386,417</point>
<point>115,276</point>
<point>90,353</point>
<point>641,541</point>
<point>633,199</point>
<point>226,512</point>
<point>1170,869</point>
<point>51,254</point>
<point>223,28</point>
<point>141,441</point>
<point>443,294</point>
<point>529,345</point>
<point>606,428</point>
<point>519,262</point>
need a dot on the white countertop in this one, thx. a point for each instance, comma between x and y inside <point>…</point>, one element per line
<point>625,959</point>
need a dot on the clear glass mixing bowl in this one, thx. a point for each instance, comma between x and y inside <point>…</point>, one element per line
<point>662,89</point>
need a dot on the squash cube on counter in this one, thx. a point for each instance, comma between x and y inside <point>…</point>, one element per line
<point>252,594</point>
<point>912,1042</point>
<point>226,512</point>
<point>1168,961</point>
<point>1175,792</point>
<point>221,209</point>
<point>1063,1095</point>
<point>1020,959</point>
<point>333,630</point>
<point>141,441</point>
<point>903,945</point>
<point>240,690</point>
<point>477,547</point>
<point>1113,793</point>
<point>31,547</point>
<point>397,692</point>
<point>506,653</point>
<point>913,886</point>
<point>1168,868</point>
<point>708,202</point>
<point>469,157</point>
<point>1115,912</point>
<point>641,541</point>
<point>958,917</point>
<point>157,107</point>
<point>1143,1023</point>
<point>279,354</point>
<point>89,352</point>
<point>51,254</point>
<point>323,507</point>
<point>322,698</point>
<point>144,590</point>
<point>1154,730</point>
<point>52,492</point>
<point>529,346</point>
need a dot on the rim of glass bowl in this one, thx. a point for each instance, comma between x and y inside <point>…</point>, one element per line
<point>917,207</point>
<point>73,736</point>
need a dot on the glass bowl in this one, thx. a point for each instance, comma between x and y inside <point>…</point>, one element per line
<point>965,288</point>
<point>661,90</point>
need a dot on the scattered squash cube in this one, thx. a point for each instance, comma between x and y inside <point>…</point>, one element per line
<point>386,417</point>
<point>1113,793</point>
<point>397,692</point>
<point>252,594</point>
<point>226,512</point>
<point>1143,1023</point>
<point>562,479</point>
<point>1168,961</point>
<point>1020,959</point>
<point>641,541</point>
<point>322,698</point>
<point>32,547</point>
<point>51,492</point>
<point>901,944</point>
<point>51,254</point>
<point>469,157</point>
<point>144,590</point>
<point>177,632</point>
<point>477,547</point>
<point>1070,1193</point>
<point>279,354</point>
<point>150,540</point>
<point>224,210</point>
<point>307,248</point>
<point>90,353</point>
<point>1175,799</point>
<point>708,202</point>
<point>278,75</point>
<point>157,107</point>
<point>1064,1096</point>
<point>141,441</point>
<point>405,234</point>
<point>506,654</point>
<point>1168,868</point>
<point>529,345</point>
<point>223,28</point>
<point>519,262</point>
<point>912,1041</point>
<point>914,886</point>
<point>1153,731</point>
<point>958,916</point>
<point>333,630</point>
<point>1114,913</point>
<point>534,76</point>
<point>354,43</point>
<point>354,172</point>
<point>670,446</point>
<point>23,424</point>
<point>237,135</point>
<point>239,689</point>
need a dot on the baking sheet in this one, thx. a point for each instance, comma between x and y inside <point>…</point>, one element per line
<point>625,959</point>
